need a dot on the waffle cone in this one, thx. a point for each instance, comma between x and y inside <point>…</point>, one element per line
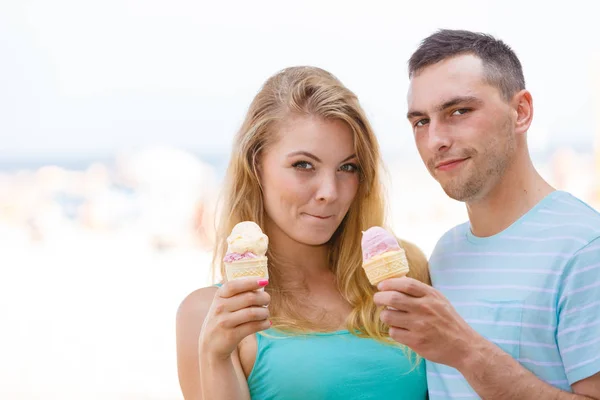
<point>392,264</point>
<point>251,268</point>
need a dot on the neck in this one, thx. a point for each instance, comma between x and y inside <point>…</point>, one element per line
<point>304,286</point>
<point>518,191</point>
<point>296,261</point>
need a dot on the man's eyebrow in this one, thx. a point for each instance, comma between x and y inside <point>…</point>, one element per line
<point>414,114</point>
<point>447,104</point>
<point>458,100</point>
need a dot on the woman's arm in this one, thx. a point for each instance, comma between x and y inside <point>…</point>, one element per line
<point>204,372</point>
<point>190,318</point>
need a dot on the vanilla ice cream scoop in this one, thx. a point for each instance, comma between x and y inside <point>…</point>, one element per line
<point>247,237</point>
<point>246,252</point>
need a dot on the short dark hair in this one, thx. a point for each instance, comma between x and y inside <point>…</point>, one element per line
<point>502,67</point>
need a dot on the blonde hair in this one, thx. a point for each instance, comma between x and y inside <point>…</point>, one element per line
<point>311,91</point>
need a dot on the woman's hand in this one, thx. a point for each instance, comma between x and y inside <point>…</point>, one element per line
<point>238,310</point>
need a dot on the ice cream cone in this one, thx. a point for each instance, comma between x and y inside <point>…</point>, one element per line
<point>391,264</point>
<point>247,268</point>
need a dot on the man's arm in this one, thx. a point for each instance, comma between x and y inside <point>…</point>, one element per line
<point>494,374</point>
<point>425,321</point>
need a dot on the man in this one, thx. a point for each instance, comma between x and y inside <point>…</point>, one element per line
<point>515,308</point>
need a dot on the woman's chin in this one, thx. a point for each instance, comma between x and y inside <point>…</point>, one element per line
<point>314,239</point>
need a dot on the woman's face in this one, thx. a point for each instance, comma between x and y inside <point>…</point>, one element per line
<point>309,178</point>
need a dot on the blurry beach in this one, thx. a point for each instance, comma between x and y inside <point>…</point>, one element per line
<point>95,261</point>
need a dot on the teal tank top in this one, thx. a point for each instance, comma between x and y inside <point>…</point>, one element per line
<point>332,366</point>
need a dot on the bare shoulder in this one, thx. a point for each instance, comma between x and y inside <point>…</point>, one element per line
<point>196,304</point>
<point>190,316</point>
<point>417,261</point>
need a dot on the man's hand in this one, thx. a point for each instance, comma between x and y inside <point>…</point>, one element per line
<point>424,320</point>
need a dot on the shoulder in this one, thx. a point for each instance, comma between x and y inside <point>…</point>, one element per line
<point>189,320</point>
<point>567,209</point>
<point>567,200</point>
<point>190,316</point>
<point>568,221</point>
<point>195,305</point>
<point>454,234</point>
<point>451,238</point>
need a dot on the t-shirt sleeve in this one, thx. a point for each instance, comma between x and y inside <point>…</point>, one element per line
<point>578,333</point>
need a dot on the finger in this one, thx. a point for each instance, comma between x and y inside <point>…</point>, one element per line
<point>245,315</point>
<point>396,319</point>
<point>406,285</point>
<point>232,288</point>
<point>393,299</point>
<point>253,298</point>
<point>400,335</point>
<point>250,328</point>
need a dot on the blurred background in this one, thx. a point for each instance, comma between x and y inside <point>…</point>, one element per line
<point>116,119</point>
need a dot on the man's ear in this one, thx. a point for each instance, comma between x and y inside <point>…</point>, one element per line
<point>523,106</point>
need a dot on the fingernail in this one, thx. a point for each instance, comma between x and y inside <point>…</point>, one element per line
<point>263,282</point>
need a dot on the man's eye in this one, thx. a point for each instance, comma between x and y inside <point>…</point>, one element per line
<point>461,111</point>
<point>421,122</point>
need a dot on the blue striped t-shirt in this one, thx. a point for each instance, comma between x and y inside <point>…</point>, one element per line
<point>533,290</point>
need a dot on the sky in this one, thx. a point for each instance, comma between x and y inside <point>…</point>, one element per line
<point>93,77</point>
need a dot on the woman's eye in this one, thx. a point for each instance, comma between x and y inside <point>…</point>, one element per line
<point>305,165</point>
<point>349,168</point>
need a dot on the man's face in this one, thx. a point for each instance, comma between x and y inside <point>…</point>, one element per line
<point>463,128</point>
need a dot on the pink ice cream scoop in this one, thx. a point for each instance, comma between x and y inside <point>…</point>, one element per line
<point>377,240</point>
<point>231,257</point>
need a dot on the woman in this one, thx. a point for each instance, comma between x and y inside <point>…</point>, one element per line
<point>306,168</point>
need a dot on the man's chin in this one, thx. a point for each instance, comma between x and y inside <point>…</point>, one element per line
<point>464,194</point>
<point>458,194</point>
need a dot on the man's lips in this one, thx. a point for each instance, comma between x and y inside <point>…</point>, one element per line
<point>449,164</point>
